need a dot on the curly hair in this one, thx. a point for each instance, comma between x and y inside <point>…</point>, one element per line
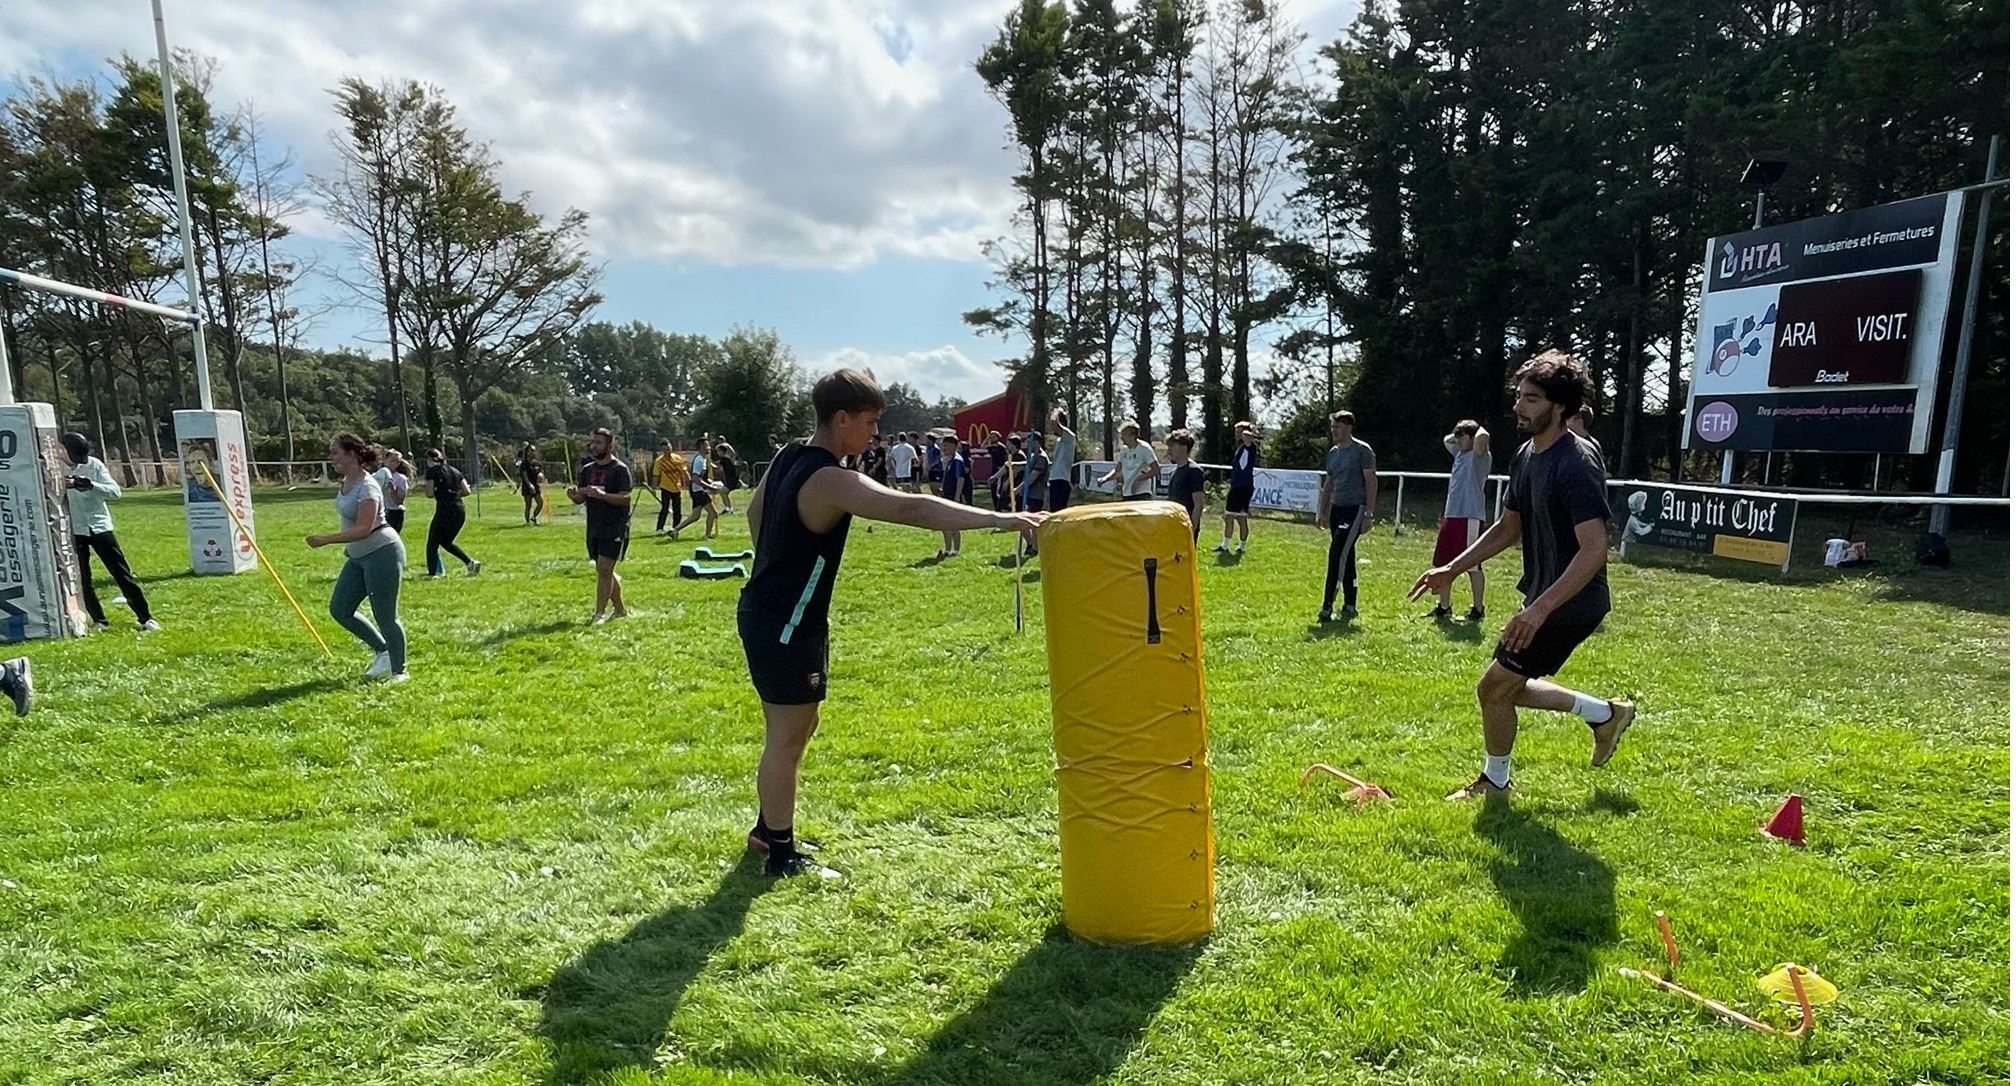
<point>1560,377</point>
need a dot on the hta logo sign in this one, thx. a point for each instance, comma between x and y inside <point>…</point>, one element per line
<point>1752,262</point>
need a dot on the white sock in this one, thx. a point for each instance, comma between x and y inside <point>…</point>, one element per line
<point>1498,769</point>
<point>1593,710</point>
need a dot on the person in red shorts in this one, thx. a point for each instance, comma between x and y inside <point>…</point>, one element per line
<point>1463,512</point>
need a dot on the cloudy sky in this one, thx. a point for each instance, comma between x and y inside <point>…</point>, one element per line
<point>828,168</point>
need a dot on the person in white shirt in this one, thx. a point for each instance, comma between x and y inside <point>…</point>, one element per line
<point>398,484</point>
<point>1062,453</point>
<point>903,464</point>
<point>90,487</point>
<point>1463,513</point>
<point>1136,468</point>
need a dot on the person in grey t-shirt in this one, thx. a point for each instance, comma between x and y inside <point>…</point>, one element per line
<point>1463,512</point>
<point>373,557</point>
<point>1345,503</point>
<point>1557,511</point>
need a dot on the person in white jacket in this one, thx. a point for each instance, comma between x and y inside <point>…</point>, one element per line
<point>90,487</point>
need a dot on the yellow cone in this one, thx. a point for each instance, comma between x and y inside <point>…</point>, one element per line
<point>1778,985</point>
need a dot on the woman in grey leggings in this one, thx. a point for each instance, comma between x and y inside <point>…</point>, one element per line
<point>372,558</point>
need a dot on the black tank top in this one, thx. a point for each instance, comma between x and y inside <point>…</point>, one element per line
<point>792,583</point>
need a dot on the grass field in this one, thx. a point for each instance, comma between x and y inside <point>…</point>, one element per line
<point>228,861</point>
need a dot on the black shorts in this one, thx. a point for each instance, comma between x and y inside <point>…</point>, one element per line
<point>1552,644</point>
<point>1033,501</point>
<point>702,499</point>
<point>1060,495</point>
<point>1139,498</point>
<point>530,490</point>
<point>614,547</point>
<point>1238,500</point>
<point>791,673</point>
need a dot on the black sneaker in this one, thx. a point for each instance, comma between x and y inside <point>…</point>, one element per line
<point>1475,614</point>
<point>19,683</point>
<point>789,863</point>
<point>1439,614</point>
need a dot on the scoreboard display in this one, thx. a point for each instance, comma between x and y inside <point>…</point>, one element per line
<point>1825,334</point>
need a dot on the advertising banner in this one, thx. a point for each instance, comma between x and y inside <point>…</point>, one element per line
<point>1730,524</point>
<point>1825,334</point>
<point>1284,488</point>
<point>39,588</point>
<point>215,440</point>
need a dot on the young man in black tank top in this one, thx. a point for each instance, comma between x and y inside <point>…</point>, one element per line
<point>798,520</point>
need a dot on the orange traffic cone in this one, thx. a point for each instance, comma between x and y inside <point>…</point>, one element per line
<point>1789,824</point>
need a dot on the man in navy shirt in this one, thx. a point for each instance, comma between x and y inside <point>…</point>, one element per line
<point>1239,495</point>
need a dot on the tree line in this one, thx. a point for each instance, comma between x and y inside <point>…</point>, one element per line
<point>1456,187</point>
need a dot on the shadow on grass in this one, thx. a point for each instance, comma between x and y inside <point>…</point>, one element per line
<point>266,697</point>
<point>1611,801</point>
<point>1231,558</point>
<point>1471,632</point>
<point>185,575</point>
<point>609,1008</point>
<point>1066,1014</point>
<point>1564,898</point>
<point>1325,631</point>
<point>927,563</point>
<point>513,633</point>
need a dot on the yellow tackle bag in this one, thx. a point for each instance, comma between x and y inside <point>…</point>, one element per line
<point>1120,613</point>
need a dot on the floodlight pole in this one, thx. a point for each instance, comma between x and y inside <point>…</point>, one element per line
<point>182,211</point>
<point>1957,398</point>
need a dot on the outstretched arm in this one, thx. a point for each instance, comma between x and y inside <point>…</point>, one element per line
<point>830,493</point>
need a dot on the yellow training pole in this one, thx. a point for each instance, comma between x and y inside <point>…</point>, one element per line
<point>261,555</point>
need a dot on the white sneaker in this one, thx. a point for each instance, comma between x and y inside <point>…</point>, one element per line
<point>397,677</point>
<point>475,568</point>
<point>599,619</point>
<point>150,626</point>
<point>1223,548</point>
<point>381,666</point>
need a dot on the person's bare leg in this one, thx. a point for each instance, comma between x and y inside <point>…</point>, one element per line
<point>1476,589</point>
<point>1541,694</point>
<point>1500,693</point>
<point>786,731</point>
<point>601,588</point>
<point>616,591</point>
<point>1242,529</point>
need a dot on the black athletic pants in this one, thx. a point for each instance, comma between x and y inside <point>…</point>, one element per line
<point>107,546</point>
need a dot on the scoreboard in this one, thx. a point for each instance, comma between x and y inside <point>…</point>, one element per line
<point>1825,334</point>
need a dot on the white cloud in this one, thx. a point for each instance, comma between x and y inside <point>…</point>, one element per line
<point>935,373</point>
<point>812,133</point>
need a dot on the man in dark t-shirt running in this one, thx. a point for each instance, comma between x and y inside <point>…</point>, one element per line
<point>798,520</point>
<point>603,485</point>
<point>1558,513</point>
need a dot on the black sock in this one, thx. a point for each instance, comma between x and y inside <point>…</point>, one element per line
<point>775,837</point>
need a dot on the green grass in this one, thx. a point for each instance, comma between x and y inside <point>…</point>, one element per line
<point>228,861</point>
